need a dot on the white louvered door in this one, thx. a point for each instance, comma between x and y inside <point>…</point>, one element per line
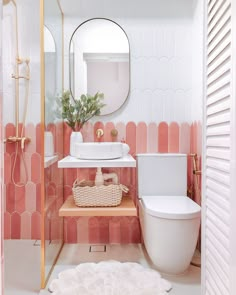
<point>218,270</point>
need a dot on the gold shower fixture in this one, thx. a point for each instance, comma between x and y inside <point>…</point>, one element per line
<point>13,139</point>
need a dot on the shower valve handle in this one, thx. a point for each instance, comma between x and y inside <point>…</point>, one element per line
<point>22,140</point>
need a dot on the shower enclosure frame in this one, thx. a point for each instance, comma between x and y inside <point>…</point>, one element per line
<point>44,276</point>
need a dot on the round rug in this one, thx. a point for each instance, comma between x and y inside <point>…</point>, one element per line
<point>109,278</point>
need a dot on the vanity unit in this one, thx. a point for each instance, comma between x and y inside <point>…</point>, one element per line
<point>127,206</point>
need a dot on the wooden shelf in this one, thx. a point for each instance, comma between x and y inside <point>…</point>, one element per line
<point>126,208</point>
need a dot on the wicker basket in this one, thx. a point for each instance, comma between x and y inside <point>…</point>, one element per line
<point>86,194</point>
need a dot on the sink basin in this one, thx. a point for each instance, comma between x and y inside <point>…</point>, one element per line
<point>99,150</point>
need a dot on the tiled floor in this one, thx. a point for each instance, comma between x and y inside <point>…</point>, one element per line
<point>73,254</point>
<point>22,267</point>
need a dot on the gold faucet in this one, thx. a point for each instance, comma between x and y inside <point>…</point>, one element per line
<point>99,133</point>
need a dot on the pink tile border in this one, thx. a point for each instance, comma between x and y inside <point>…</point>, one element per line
<point>163,137</point>
<point>24,205</point>
<point>152,138</point>
<point>141,138</point>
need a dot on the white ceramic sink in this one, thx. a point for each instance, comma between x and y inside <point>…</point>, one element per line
<point>100,150</point>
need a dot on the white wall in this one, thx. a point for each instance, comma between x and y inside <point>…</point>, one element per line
<point>197,57</point>
<point>164,59</point>
<point>29,47</point>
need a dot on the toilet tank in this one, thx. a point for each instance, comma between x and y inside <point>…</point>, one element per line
<point>162,174</point>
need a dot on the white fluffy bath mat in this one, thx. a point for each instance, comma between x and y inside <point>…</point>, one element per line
<point>109,278</point>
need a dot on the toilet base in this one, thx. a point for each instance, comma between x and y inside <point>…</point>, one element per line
<point>170,243</point>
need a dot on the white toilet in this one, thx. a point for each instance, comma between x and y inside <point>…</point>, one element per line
<point>169,219</point>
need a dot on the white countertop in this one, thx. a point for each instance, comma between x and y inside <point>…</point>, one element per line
<point>71,162</point>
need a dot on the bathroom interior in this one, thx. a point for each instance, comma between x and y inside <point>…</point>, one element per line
<point>162,112</point>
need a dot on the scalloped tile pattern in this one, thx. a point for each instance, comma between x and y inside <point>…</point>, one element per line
<point>141,137</point>
<point>23,205</point>
<point>22,218</point>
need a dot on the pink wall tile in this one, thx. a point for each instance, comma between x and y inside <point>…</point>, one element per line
<point>71,230</point>
<point>141,138</point>
<point>20,199</point>
<point>107,132</point>
<point>125,234</point>
<point>67,133</point>
<point>114,231</point>
<point>36,226</point>
<point>15,225</point>
<point>184,142</point>
<point>87,132</point>
<point>30,197</point>
<point>27,157</point>
<point>152,138</point>
<point>67,191</point>
<point>173,140</point>
<point>7,168</point>
<point>30,133</point>
<point>131,137</point>
<point>38,197</point>
<point>125,176</point>
<point>82,230</point>
<point>7,225</point>
<point>35,168</point>
<point>15,167</point>
<point>23,204</point>
<point>121,128</point>
<point>10,197</point>
<point>58,136</point>
<point>104,230</point>
<point>94,230</point>
<point>69,176</point>
<point>163,138</point>
<point>135,230</point>
<point>26,225</point>
<point>98,125</point>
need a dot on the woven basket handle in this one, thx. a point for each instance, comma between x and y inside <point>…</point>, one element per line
<point>124,188</point>
<point>77,182</point>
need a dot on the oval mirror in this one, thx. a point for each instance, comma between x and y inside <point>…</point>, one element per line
<point>99,62</point>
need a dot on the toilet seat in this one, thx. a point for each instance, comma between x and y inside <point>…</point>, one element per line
<point>171,207</point>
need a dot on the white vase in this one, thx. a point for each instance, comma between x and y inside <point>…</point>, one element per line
<point>75,137</point>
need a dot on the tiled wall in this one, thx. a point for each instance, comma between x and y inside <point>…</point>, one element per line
<point>165,92</point>
<point>22,206</point>
<point>141,137</point>
<point>53,181</point>
<point>160,66</point>
<point>22,216</point>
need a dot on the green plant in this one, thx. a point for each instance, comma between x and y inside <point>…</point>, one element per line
<point>76,112</point>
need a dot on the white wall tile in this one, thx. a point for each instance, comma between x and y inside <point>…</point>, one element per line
<point>29,47</point>
<point>161,68</point>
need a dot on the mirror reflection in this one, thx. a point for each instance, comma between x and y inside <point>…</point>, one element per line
<point>99,62</point>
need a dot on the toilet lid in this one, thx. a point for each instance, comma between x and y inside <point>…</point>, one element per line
<point>171,207</point>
